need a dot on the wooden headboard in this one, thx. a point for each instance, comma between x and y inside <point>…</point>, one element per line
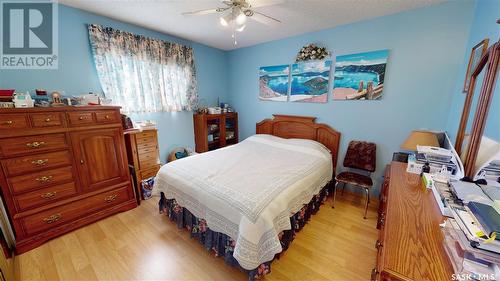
<point>301,127</point>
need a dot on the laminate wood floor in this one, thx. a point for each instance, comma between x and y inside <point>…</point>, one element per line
<point>336,244</point>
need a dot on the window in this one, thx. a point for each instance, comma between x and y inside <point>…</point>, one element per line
<point>143,74</point>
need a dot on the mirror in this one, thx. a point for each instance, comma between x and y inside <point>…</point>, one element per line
<point>488,66</point>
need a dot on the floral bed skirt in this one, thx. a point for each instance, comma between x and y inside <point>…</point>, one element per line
<point>222,245</point>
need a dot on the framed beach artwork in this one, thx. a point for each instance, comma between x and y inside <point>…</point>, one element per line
<point>360,76</point>
<point>274,82</point>
<point>309,82</point>
<point>475,55</point>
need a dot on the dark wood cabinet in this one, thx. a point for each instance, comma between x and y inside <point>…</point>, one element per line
<point>100,156</point>
<point>213,131</point>
<point>61,168</point>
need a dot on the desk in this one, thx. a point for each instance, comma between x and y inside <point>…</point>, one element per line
<point>410,245</point>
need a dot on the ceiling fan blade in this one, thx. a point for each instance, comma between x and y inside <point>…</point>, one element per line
<point>204,12</point>
<point>265,19</point>
<point>264,3</point>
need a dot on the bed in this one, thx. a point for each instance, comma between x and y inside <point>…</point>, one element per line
<point>245,202</point>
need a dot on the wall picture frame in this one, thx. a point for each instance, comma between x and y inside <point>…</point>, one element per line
<point>310,81</point>
<point>360,76</point>
<point>274,82</point>
<point>476,53</point>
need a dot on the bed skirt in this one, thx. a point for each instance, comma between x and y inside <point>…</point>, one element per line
<point>223,246</point>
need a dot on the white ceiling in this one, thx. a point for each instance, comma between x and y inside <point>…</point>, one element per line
<point>297,16</point>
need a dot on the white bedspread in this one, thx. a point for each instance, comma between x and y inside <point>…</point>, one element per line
<point>248,191</point>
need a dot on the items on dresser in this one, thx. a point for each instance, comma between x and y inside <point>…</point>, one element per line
<point>213,131</point>
<point>466,259</point>
<point>214,110</point>
<point>143,157</point>
<point>146,125</point>
<point>62,168</point>
<point>56,99</point>
<point>439,156</point>
<point>22,100</point>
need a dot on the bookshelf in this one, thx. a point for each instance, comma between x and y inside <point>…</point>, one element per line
<point>213,131</point>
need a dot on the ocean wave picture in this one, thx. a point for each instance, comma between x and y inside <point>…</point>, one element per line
<point>273,82</point>
<point>360,76</point>
<point>310,81</point>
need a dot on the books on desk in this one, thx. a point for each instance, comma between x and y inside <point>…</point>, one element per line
<point>477,233</point>
<point>436,163</point>
<point>469,191</point>
<point>487,217</point>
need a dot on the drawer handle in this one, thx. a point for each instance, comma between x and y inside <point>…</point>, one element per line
<point>374,274</point>
<point>52,219</point>
<point>378,245</point>
<point>81,117</point>
<point>381,220</point>
<point>35,144</point>
<point>48,195</point>
<point>110,198</point>
<point>44,179</point>
<point>106,117</point>
<point>40,162</point>
<point>10,122</point>
<point>47,120</point>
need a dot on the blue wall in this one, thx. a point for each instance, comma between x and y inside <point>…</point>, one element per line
<point>426,46</point>
<point>77,75</point>
<point>483,26</point>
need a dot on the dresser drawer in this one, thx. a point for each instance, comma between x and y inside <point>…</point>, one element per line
<point>81,118</point>
<point>34,144</point>
<point>147,134</point>
<point>151,142</point>
<point>147,149</point>
<point>42,120</point>
<point>146,140</point>
<point>107,117</point>
<point>150,172</point>
<point>40,179</point>
<point>13,121</point>
<point>45,196</point>
<point>147,160</point>
<point>32,163</point>
<point>59,215</point>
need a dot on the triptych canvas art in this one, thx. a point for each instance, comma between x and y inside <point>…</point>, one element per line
<point>355,77</point>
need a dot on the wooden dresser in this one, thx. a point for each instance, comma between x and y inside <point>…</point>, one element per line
<point>410,244</point>
<point>212,131</point>
<point>61,168</point>
<point>143,156</point>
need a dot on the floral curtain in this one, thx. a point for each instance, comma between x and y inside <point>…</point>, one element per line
<point>143,74</point>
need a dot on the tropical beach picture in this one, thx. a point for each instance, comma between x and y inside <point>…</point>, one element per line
<point>273,82</point>
<point>310,81</point>
<point>360,76</point>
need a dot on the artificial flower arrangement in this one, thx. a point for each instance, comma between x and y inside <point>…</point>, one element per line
<point>312,52</point>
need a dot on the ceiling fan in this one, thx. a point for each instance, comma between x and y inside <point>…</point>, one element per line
<point>236,12</point>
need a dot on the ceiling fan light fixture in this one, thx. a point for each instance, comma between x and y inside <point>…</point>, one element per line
<point>241,18</point>
<point>241,28</point>
<point>225,20</point>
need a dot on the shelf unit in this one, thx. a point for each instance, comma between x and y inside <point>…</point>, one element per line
<point>213,131</point>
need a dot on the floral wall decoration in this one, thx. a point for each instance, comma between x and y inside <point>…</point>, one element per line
<point>312,52</point>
